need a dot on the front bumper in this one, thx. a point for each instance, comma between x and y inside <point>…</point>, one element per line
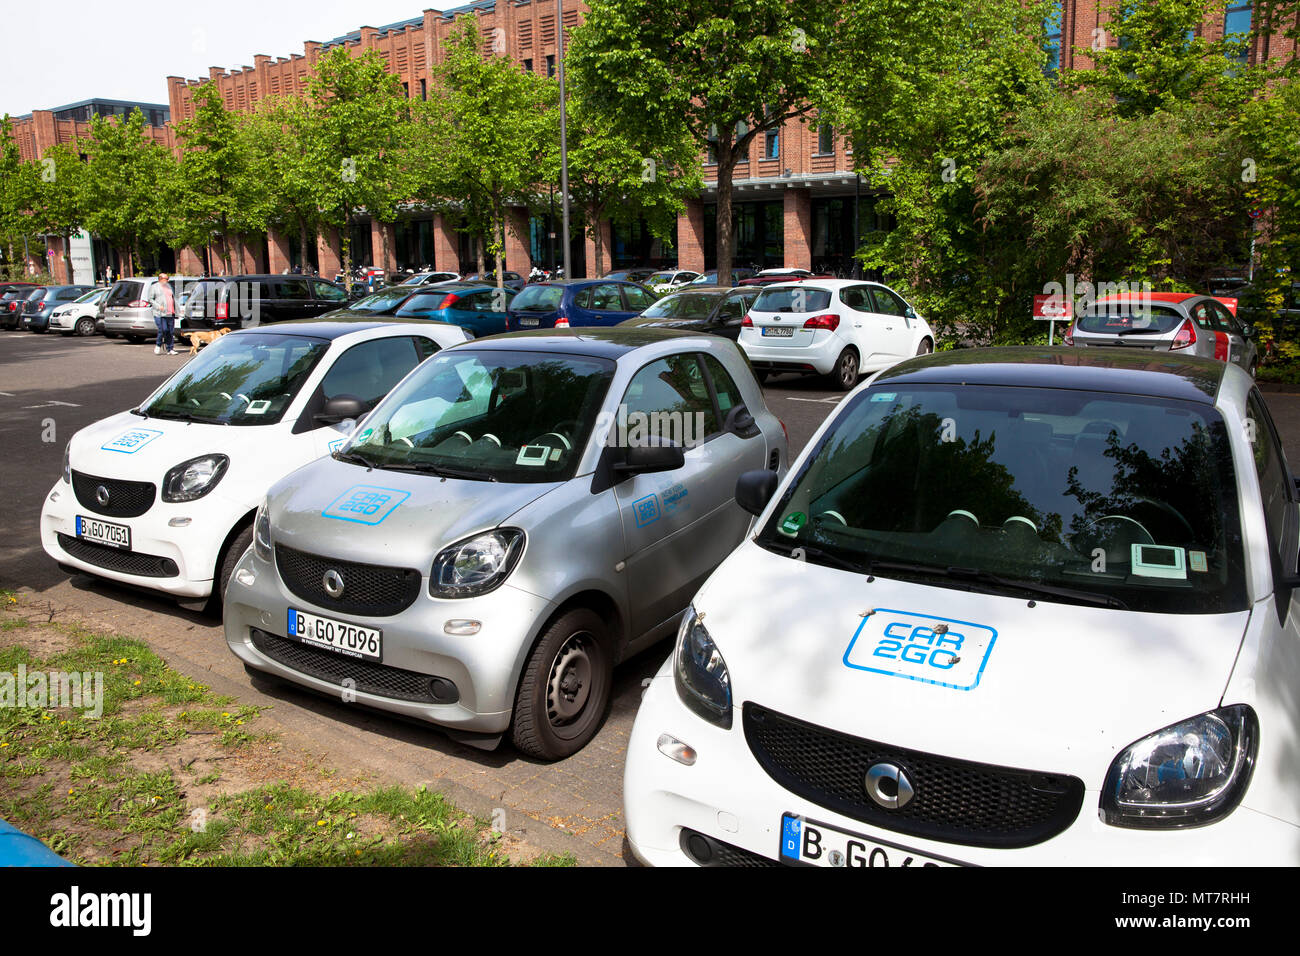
<point>192,549</point>
<point>484,667</point>
<point>728,797</point>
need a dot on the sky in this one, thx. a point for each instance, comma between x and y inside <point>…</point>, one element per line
<point>58,53</point>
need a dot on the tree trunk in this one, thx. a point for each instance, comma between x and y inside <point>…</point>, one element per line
<point>501,259</point>
<point>598,239</point>
<point>480,265</point>
<point>726,167</point>
<point>302,245</point>
<point>345,249</point>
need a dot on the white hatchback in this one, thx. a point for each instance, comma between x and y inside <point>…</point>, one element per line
<point>1027,607</point>
<point>80,316</point>
<point>163,496</point>
<point>839,328</point>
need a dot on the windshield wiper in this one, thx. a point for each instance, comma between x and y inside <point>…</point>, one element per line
<point>139,411</point>
<point>188,418</point>
<point>353,457</point>
<point>441,471</point>
<point>1035,587</point>
<point>818,555</point>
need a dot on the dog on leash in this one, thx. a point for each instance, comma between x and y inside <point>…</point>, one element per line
<point>199,339</point>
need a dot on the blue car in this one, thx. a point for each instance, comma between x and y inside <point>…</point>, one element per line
<point>37,307</point>
<point>19,849</point>
<point>478,308</point>
<point>575,303</point>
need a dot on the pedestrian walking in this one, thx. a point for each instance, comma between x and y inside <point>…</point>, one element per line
<point>163,302</point>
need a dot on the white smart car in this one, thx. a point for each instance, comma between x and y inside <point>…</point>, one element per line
<point>79,317</point>
<point>1025,606</point>
<point>163,496</point>
<point>839,328</point>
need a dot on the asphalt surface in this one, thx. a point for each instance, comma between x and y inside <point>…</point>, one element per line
<point>50,386</point>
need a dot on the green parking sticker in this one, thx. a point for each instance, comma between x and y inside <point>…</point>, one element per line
<point>793,522</point>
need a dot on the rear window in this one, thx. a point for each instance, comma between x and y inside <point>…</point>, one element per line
<point>1126,320</point>
<point>126,292</point>
<point>538,298</point>
<point>799,299</point>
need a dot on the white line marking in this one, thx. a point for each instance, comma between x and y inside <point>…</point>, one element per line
<point>52,404</point>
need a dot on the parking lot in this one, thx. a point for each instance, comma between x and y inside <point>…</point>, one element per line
<point>50,386</point>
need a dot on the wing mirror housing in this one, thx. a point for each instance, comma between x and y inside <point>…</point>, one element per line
<point>341,408</point>
<point>754,489</point>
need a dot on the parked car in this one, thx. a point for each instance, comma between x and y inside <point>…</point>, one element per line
<point>1168,322</point>
<point>40,305</point>
<point>717,310</point>
<point>12,297</point>
<point>769,276</point>
<point>520,514</point>
<point>1012,606</point>
<point>573,303</point>
<point>478,308</point>
<point>125,311</point>
<point>637,275</point>
<point>833,327</point>
<point>431,278</point>
<point>511,280</point>
<point>163,496</point>
<point>80,317</point>
<point>381,303</point>
<point>669,280</point>
<point>710,278</point>
<point>235,302</point>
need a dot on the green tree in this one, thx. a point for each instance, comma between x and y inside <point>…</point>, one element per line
<point>715,73</point>
<point>58,199</point>
<point>16,188</point>
<point>276,134</point>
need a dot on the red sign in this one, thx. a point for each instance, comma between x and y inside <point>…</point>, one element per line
<point>1052,308</point>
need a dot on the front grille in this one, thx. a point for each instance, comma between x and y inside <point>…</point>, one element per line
<point>116,559</point>
<point>370,589</point>
<point>367,676</point>
<point>126,499</point>
<point>707,851</point>
<point>957,801</point>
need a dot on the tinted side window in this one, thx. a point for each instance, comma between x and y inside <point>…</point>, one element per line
<point>1274,475</point>
<point>887,302</point>
<point>426,347</point>
<point>732,308</point>
<point>606,298</point>
<point>296,289</point>
<point>857,298</point>
<point>675,387</point>
<point>370,370</point>
<point>723,385</point>
<point>637,298</point>
<point>330,293</point>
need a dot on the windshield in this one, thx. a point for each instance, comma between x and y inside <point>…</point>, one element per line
<point>660,278</point>
<point>1119,501</point>
<point>94,295</point>
<point>1126,319</point>
<point>538,298</point>
<point>245,379</point>
<point>488,415</point>
<point>689,305</point>
<point>796,299</point>
<point>380,301</point>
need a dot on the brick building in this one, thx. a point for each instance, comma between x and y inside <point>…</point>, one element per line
<point>795,195</point>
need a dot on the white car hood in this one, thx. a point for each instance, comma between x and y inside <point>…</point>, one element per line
<point>1059,688</point>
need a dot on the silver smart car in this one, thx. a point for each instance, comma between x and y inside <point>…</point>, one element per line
<point>520,514</point>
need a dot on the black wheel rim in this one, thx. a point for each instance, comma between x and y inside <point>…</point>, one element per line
<point>570,683</point>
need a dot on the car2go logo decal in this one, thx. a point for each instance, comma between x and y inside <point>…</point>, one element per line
<point>365,504</point>
<point>921,647</point>
<point>130,442</point>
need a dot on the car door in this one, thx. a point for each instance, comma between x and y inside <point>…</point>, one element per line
<point>677,525</point>
<point>726,320</point>
<point>295,299</point>
<point>326,297</point>
<point>636,299</point>
<point>604,303</point>
<point>893,321</point>
<point>1241,350</point>
<point>871,332</point>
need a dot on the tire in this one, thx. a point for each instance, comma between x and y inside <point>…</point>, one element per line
<point>84,326</point>
<point>226,568</point>
<point>845,373</point>
<point>925,348</point>
<point>574,651</point>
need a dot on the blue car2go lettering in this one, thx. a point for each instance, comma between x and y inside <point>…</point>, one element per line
<point>921,647</point>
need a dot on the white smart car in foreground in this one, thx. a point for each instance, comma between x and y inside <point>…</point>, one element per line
<point>163,496</point>
<point>1036,606</point>
<point>839,328</point>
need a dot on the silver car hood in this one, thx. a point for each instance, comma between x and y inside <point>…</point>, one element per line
<point>340,510</point>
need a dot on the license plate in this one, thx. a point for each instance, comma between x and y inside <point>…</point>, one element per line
<point>778,331</point>
<point>530,323</point>
<point>104,532</point>
<point>350,640</point>
<point>809,843</point>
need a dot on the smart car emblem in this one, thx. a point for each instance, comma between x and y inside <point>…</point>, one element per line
<point>101,495</point>
<point>888,786</point>
<point>333,583</point>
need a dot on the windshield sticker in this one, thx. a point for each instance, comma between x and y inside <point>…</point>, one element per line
<point>336,444</point>
<point>128,443</point>
<point>1196,560</point>
<point>1157,561</point>
<point>365,504</point>
<point>646,510</point>
<point>793,522</point>
<point>258,407</point>
<point>674,497</point>
<point>921,647</point>
<point>884,396</point>
<point>533,455</point>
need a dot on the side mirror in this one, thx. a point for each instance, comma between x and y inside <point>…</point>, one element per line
<point>754,489</point>
<point>663,455</point>
<point>740,422</point>
<point>340,408</point>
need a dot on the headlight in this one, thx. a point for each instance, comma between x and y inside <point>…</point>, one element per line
<point>700,672</point>
<point>1189,774</point>
<point>67,463</point>
<point>194,478</point>
<point>262,531</point>
<point>476,565</point>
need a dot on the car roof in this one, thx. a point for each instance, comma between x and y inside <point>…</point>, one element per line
<point>611,343</point>
<point>333,329</point>
<point>1151,297</point>
<point>1153,374</point>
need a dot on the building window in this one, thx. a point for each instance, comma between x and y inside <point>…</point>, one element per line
<point>711,147</point>
<point>1052,44</point>
<point>550,65</point>
<point>528,65</point>
<point>406,89</point>
<point>825,139</point>
<point>424,89</point>
<point>1236,28</point>
<point>772,144</point>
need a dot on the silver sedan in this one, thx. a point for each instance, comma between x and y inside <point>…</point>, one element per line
<point>518,516</point>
